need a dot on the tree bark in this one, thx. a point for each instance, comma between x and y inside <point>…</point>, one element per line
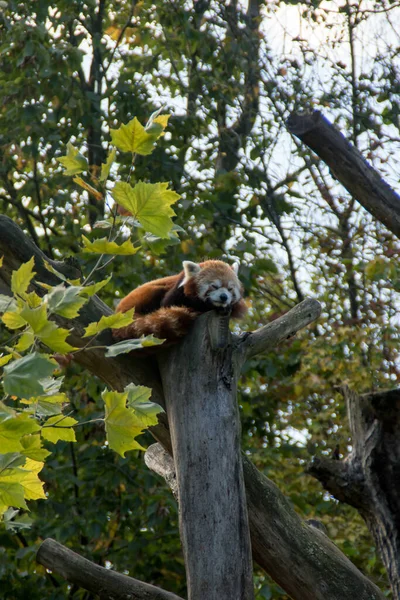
<point>348,166</point>
<point>105,583</point>
<point>302,559</point>
<point>369,478</point>
<point>199,384</point>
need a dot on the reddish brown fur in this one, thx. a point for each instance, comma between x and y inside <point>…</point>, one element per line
<point>166,309</point>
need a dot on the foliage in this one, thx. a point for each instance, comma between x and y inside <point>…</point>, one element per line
<point>73,72</point>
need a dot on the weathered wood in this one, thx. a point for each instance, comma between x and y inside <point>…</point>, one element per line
<point>348,166</point>
<point>199,384</point>
<point>369,478</point>
<point>305,563</point>
<point>280,329</point>
<point>106,584</point>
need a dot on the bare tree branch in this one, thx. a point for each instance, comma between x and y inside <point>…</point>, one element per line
<point>105,583</point>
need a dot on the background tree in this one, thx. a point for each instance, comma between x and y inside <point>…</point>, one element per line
<point>231,74</point>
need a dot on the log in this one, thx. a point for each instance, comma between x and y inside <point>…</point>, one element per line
<point>106,584</point>
<point>348,166</point>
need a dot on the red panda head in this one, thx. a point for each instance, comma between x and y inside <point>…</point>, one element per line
<point>212,281</point>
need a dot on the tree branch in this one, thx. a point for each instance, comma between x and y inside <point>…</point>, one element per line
<point>282,328</point>
<point>98,580</point>
<point>348,166</point>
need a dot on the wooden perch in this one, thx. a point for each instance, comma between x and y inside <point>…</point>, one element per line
<point>278,539</point>
<point>107,584</point>
<point>348,166</point>
<point>369,478</point>
<point>302,559</point>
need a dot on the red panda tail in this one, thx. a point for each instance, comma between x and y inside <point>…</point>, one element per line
<point>169,323</point>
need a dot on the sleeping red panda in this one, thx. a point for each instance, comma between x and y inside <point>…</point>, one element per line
<point>167,307</point>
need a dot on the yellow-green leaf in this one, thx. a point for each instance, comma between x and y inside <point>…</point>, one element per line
<point>103,246</point>
<point>89,188</point>
<point>35,317</point>
<point>114,321</point>
<point>149,203</point>
<point>91,290</point>
<point>134,138</point>
<point>27,477</point>
<point>25,341</point>
<point>122,426</point>
<point>13,320</point>
<point>105,168</point>
<point>139,401</point>
<point>12,428</point>
<point>59,428</point>
<point>4,359</point>
<point>21,278</point>
<point>32,447</point>
<point>73,161</point>
<point>54,337</point>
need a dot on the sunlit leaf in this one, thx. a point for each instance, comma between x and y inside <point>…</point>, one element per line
<point>103,246</point>
<point>21,278</point>
<point>90,290</point>
<point>73,161</point>
<point>122,426</point>
<point>12,428</point>
<point>150,203</point>
<point>105,168</point>
<point>32,447</point>
<point>13,320</point>
<point>134,138</point>
<point>59,428</point>
<point>89,188</point>
<point>114,321</point>
<point>25,341</point>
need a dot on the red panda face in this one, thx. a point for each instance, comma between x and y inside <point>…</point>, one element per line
<point>212,281</point>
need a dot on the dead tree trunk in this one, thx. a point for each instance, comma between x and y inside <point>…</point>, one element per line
<point>199,384</point>
<point>369,478</point>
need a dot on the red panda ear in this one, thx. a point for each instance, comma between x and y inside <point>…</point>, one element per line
<point>235,268</point>
<point>190,269</point>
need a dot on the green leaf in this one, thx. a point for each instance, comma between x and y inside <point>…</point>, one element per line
<point>150,203</point>
<point>32,447</point>
<point>27,477</point>
<point>25,341</point>
<point>105,168</point>
<point>12,428</point>
<point>73,161</point>
<point>129,345</point>
<point>134,138</point>
<point>91,290</point>
<point>35,317</point>
<point>5,358</point>
<point>54,337</point>
<point>138,401</point>
<point>114,321</point>
<point>59,428</point>
<point>11,494</point>
<point>21,278</point>
<point>22,376</point>
<point>103,246</point>
<point>13,320</point>
<point>122,426</point>
<point>66,301</point>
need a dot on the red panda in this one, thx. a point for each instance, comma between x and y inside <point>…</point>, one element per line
<point>167,307</point>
